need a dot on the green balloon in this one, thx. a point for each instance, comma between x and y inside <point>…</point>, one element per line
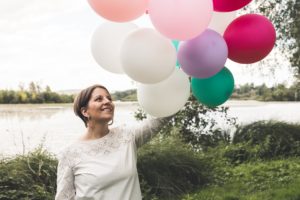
<point>176,45</point>
<point>215,90</point>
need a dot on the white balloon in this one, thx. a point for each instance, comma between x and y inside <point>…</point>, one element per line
<point>106,43</point>
<point>221,20</point>
<point>147,56</point>
<point>167,97</point>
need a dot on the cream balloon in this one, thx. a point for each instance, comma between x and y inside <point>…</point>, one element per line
<point>220,21</point>
<point>106,44</point>
<point>147,56</point>
<point>167,97</point>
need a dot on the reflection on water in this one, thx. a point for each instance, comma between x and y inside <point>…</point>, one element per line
<point>22,112</point>
<point>24,127</point>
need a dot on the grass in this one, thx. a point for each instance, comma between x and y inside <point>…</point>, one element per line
<point>274,180</point>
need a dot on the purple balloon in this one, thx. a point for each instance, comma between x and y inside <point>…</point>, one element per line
<point>204,55</point>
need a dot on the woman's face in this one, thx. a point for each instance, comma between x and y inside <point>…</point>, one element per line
<point>100,106</point>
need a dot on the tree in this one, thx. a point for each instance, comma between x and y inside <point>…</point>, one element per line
<point>32,88</point>
<point>285,15</point>
<point>21,87</point>
<point>48,89</point>
<point>199,126</point>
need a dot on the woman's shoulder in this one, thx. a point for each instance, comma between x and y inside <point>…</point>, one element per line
<point>70,154</point>
<point>66,151</point>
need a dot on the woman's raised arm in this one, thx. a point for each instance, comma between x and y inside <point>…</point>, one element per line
<point>148,129</point>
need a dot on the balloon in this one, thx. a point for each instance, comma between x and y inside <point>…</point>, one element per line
<point>119,10</point>
<point>220,21</point>
<point>106,44</point>
<point>167,97</point>
<point>176,45</point>
<point>203,56</point>
<point>147,57</point>
<point>229,5</point>
<point>215,90</point>
<point>249,38</point>
<point>180,19</point>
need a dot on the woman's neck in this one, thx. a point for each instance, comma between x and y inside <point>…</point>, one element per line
<point>96,130</point>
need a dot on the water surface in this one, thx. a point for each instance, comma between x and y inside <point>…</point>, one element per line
<point>24,127</point>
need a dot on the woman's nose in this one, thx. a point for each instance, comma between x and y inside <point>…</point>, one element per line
<point>107,100</point>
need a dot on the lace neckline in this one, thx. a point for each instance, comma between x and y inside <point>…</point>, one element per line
<point>92,141</point>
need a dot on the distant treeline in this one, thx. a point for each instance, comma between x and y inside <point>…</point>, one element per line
<point>128,95</point>
<point>263,93</point>
<point>34,94</point>
<point>244,92</point>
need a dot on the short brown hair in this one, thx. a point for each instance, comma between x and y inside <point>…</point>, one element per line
<point>82,100</point>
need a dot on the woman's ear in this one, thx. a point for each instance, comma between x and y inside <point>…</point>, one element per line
<point>83,111</point>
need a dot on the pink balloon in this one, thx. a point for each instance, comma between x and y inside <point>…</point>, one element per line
<point>119,10</point>
<point>229,5</point>
<point>249,38</point>
<point>204,55</point>
<point>180,19</point>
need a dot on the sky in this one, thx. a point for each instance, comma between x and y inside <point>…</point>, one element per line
<point>48,42</point>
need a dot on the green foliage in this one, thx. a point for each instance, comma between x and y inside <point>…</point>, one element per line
<point>128,95</point>
<point>28,177</point>
<point>140,115</point>
<point>285,15</point>
<point>262,93</point>
<point>35,94</point>
<point>169,168</point>
<point>266,140</point>
<point>198,125</point>
<point>273,180</point>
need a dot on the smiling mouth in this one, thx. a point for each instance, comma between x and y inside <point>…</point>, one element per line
<point>107,109</point>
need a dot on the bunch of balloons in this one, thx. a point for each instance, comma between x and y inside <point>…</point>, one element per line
<point>197,35</point>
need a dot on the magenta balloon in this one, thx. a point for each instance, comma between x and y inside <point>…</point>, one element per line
<point>249,38</point>
<point>229,5</point>
<point>203,56</point>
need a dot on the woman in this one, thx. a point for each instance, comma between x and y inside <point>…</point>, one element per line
<point>101,165</point>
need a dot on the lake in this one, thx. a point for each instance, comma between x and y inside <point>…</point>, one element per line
<point>24,127</point>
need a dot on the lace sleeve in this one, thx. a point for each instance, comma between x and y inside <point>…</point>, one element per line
<point>148,129</point>
<point>65,180</point>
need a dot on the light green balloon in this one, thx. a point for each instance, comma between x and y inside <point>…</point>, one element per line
<point>215,90</point>
<point>176,45</point>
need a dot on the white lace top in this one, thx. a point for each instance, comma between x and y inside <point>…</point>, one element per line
<point>104,168</point>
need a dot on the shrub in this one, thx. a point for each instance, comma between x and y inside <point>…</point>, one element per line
<point>270,138</point>
<point>169,169</point>
<point>28,177</point>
